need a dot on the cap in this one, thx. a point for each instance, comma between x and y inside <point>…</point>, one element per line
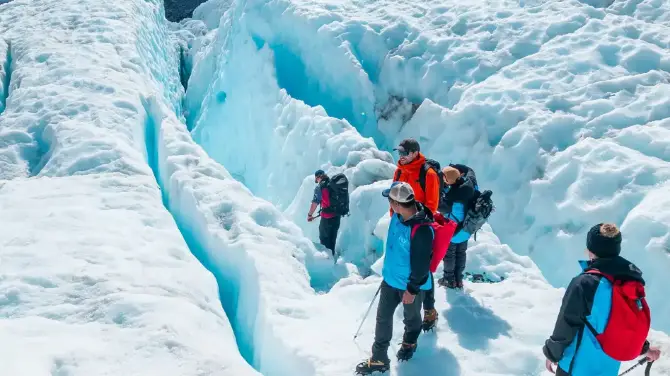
<point>604,240</point>
<point>408,145</point>
<point>318,173</point>
<point>400,192</point>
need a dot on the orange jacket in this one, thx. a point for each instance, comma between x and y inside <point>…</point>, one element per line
<point>409,173</point>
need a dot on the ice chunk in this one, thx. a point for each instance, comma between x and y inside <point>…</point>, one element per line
<point>211,12</point>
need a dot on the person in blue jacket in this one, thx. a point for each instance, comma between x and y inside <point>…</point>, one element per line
<point>460,186</point>
<point>573,349</point>
<point>405,276</point>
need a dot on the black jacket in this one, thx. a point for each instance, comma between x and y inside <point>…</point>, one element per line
<point>421,249</point>
<point>578,301</point>
<point>463,191</point>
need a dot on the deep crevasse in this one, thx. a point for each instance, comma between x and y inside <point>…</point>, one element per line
<point>95,277</point>
<point>5,72</point>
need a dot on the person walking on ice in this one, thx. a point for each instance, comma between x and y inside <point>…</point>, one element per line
<point>604,318</point>
<point>424,176</point>
<point>460,186</point>
<point>332,194</point>
<point>405,276</point>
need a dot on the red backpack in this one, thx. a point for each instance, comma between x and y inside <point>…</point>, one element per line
<point>629,321</point>
<point>443,230</point>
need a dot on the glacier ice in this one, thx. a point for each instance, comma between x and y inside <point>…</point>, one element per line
<point>535,95</point>
<point>274,143</point>
<point>105,196</point>
<point>95,278</point>
<point>5,72</point>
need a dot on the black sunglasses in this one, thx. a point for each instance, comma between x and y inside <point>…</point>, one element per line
<point>402,153</point>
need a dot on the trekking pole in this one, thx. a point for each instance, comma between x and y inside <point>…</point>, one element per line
<point>368,311</point>
<point>648,369</point>
<point>639,363</point>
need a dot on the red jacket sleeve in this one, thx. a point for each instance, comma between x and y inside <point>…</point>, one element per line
<point>432,191</point>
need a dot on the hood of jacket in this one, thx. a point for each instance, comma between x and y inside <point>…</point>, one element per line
<point>467,172</point>
<point>618,267</point>
<point>424,215</point>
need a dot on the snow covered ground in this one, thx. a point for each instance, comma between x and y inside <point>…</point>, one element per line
<point>95,277</point>
<point>560,107</point>
<point>114,217</point>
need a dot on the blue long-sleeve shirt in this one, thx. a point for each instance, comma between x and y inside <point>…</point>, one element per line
<point>458,215</point>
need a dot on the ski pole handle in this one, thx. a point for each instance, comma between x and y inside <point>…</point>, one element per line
<point>368,311</point>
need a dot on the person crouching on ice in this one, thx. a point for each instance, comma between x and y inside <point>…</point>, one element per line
<point>604,318</point>
<point>405,276</point>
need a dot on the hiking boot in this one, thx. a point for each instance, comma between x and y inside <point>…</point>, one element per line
<point>406,351</point>
<point>443,282</point>
<point>453,285</point>
<point>429,319</point>
<point>369,366</point>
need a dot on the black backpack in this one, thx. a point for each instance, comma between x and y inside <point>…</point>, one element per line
<point>338,187</point>
<point>435,165</point>
<point>430,164</point>
<point>478,212</point>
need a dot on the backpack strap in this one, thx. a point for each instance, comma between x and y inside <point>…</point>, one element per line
<point>416,227</point>
<point>609,278</point>
<point>397,175</point>
<point>598,272</point>
<point>325,188</point>
<point>422,176</point>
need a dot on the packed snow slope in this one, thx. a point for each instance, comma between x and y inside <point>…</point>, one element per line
<point>560,106</point>
<point>95,277</point>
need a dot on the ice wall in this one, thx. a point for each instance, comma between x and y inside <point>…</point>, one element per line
<point>5,73</point>
<point>262,258</point>
<point>94,273</point>
<point>274,143</point>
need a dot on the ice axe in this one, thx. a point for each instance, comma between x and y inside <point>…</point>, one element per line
<point>639,363</point>
<point>368,311</point>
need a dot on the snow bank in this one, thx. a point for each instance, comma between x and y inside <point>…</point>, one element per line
<point>260,257</point>
<point>274,143</point>
<point>651,11</point>
<point>94,275</point>
<point>97,279</point>
<point>564,138</point>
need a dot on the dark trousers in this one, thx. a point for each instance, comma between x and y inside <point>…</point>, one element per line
<point>454,262</point>
<point>429,296</point>
<point>389,299</point>
<point>328,228</point>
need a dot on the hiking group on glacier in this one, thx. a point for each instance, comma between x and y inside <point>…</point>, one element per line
<point>604,318</point>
